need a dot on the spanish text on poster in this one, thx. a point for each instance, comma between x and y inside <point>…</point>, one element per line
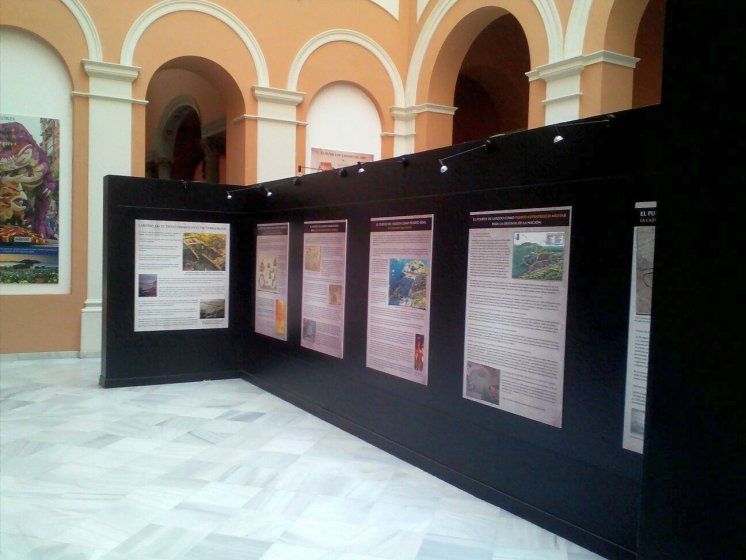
<point>182,272</point>
<point>29,200</point>
<point>271,289</point>
<point>324,264</point>
<point>323,159</point>
<point>638,339</point>
<point>516,311</point>
<point>399,296</point>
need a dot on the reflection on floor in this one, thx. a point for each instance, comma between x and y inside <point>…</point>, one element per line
<point>219,470</point>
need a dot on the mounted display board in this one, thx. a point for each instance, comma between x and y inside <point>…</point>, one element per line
<point>399,296</point>
<point>344,290</point>
<point>516,308</point>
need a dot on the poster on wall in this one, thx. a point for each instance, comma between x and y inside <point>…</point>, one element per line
<point>516,311</point>
<point>638,338</point>
<point>271,287</point>
<point>399,296</point>
<point>182,272</point>
<point>29,200</point>
<point>324,265</point>
<point>324,160</point>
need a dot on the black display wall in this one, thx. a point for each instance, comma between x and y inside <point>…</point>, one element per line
<point>576,480</point>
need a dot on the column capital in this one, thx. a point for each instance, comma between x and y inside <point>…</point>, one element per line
<point>110,71</point>
<point>575,65</point>
<point>279,96</point>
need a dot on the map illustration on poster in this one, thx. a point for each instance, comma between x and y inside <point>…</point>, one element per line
<point>399,296</point>
<point>271,288</point>
<point>516,308</point>
<point>324,270</point>
<point>182,272</point>
<point>638,337</point>
<point>29,200</point>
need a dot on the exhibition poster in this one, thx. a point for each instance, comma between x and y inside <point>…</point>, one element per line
<point>271,284</point>
<point>324,265</point>
<point>516,311</point>
<point>638,339</point>
<point>29,200</point>
<point>182,272</point>
<point>324,160</point>
<point>399,296</point>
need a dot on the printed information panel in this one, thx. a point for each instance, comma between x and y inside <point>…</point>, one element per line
<point>516,311</point>
<point>399,296</point>
<point>324,265</point>
<point>638,339</point>
<point>271,291</point>
<point>181,275</point>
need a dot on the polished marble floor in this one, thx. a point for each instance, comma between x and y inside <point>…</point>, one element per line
<point>219,470</point>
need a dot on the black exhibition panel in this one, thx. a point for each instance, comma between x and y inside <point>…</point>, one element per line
<point>576,480</point>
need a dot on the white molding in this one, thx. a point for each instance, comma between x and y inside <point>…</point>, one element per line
<point>26,356</point>
<point>398,134</point>
<point>149,16</point>
<point>130,100</point>
<point>90,33</point>
<point>577,25</point>
<point>277,95</point>
<point>391,6</point>
<point>577,64</point>
<point>110,70</point>
<point>348,36</point>
<point>561,98</point>
<point>240,118</point>
<point>435,108</point>
<point>610,57</point>
<point>421,5</point>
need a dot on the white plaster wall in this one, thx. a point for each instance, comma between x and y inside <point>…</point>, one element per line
<point>34,82</point>
<point>343,118</point>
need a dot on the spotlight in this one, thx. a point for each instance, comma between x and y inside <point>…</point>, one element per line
<point>296,181</point>
<point>443,166</point>
<point>558,139</point>
<point>360,168</point>
<point>343,172</point>
<point>265,191</point>
<point>404,161</point>
<point>229,196</point>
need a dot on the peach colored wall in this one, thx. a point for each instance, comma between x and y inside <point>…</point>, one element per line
<point>201,44</point>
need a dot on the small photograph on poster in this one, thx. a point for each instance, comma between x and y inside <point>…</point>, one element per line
<point>313,258</point>
<point>644,257</point>
<point>538,255</point>
<point>408,283</point>
<point>204,251</point>
<point>279,316</point>
<point>637,422</point>
<point>482,383</point>
<point>266,280</point>
<point>212,309</point>
<point>29,200</point>
<point>335,294</point>
<point>147,285</point>
<point>309,330</point>
<point>419,352</point>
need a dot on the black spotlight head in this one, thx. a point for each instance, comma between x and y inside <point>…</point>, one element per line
<point>343,172</point>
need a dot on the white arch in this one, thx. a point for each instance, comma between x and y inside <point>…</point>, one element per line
<point>84,19</point>
<point>546,8</point>
<point>346,35</point>
<point>202,6</point>
<point>576,27</point>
